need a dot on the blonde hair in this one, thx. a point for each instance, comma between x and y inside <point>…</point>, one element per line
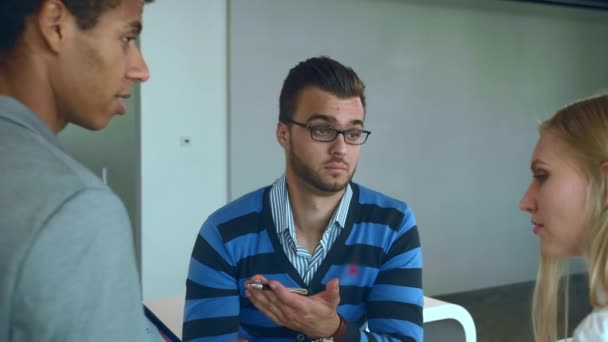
<point>583,128</point>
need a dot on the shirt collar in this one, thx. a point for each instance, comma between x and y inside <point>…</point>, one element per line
<point>13,110</point>
<point>284,213</point>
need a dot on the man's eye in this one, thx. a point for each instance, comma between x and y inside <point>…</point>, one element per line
<point>541,177</point>
<point>127,39</point>
<point>354,135</point>
<point>321,131</point>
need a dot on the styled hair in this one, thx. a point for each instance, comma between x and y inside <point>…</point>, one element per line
<point>13,15</point>
<point>583,129</point>
<point>323,73</point>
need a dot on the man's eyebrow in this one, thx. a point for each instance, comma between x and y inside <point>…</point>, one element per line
<point>135,26</point>
<point>357,122</point>
<point>320,116</point>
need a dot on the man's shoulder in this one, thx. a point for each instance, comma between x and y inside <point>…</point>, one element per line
<point>374,206</point>
<point>374,197</point>
<point>36,170</point>
<point>46,177</point>
<point>251,203</point>
<point>27,155</point>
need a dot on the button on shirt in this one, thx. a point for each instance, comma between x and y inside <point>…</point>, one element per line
<point>305,263</point>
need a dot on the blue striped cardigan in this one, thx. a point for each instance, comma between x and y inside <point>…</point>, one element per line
<point>377,258</point>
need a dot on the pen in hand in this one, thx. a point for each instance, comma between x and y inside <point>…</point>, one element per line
<point>297,290</point>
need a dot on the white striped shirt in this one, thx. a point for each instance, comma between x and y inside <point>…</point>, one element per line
<point>305,263</point>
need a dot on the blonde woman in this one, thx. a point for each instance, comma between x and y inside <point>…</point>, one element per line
<point>568,202</point>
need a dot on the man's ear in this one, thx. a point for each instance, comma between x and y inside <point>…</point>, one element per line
<point>282,134</point>
<point>53,20</point>
<point>604,167</point>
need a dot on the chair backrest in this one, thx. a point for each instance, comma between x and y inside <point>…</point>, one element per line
<point>445,321</point>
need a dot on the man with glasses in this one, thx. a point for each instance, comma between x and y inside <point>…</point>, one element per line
<point>314,256</point>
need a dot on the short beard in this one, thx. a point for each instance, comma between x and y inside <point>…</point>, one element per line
<point>312,178</point>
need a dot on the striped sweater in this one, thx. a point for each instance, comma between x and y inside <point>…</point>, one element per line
<point>377,258</point>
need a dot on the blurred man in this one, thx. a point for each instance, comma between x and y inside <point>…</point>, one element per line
<point>67,259</point>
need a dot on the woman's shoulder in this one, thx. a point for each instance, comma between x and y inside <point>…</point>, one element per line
<point>593,328</point>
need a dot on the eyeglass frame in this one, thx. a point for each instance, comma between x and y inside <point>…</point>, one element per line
<point>338,131</point>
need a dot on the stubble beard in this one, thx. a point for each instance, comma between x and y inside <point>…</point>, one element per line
<point>313,178</point>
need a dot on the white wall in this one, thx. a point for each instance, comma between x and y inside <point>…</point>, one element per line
<point>455,90</point>
<point>184,43</point>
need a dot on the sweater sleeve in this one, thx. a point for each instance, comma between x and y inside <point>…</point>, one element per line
<point>396,300</point>
<point>212,305</point>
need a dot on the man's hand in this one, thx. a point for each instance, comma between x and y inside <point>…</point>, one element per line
<point>316,316</point>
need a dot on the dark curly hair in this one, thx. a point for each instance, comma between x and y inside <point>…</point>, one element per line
<point>13,14</point>
<point>323,73</point>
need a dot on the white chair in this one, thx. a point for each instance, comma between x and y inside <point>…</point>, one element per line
<point>443,321</point>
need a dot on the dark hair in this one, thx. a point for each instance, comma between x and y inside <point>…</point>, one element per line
<point>13,14</point>
<point>324,73</point>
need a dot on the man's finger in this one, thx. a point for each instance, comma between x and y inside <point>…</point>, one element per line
<point>258,279</point>
<point>264,302</point>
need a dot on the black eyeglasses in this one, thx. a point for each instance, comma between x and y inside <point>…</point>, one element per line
<point>353,136</point>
